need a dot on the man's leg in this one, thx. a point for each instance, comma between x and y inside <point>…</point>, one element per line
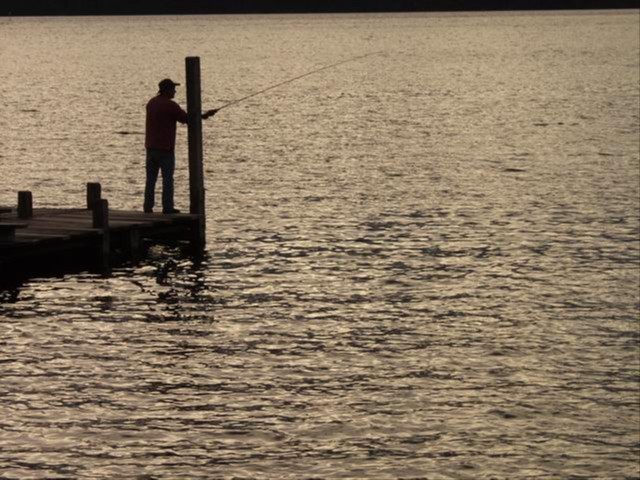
<point>152,167</point>
<point>168,166</point>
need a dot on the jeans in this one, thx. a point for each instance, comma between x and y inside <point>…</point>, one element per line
<point>158,160</point>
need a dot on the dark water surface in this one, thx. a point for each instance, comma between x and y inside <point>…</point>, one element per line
<point>424,264</point>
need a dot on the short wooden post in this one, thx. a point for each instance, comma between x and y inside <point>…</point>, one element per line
<point>94,194</point>
<point>25,205</point>
<point>196,170</point>
<point>101,221</point>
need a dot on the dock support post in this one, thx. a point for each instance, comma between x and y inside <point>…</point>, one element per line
<point>101,221</point>
<point>133,244</point>
<point>196,170</point>
<point>94,194</point>
<point>25,205</point>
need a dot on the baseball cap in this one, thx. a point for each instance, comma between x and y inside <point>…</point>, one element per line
<point>167,84</point>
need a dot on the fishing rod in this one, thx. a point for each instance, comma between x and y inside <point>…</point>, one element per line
<point>251,95</point>
<point>326,67</point>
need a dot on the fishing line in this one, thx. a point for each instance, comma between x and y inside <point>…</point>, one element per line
<point>326,67</point>
<point>251,95</point>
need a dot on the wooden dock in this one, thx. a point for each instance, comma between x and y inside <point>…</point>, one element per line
<point>60,240</point>
<point>95,238</point>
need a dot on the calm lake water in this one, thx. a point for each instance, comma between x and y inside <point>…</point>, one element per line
<point>421,264</point>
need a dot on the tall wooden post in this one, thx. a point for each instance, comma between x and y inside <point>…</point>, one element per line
<point>196,170</point>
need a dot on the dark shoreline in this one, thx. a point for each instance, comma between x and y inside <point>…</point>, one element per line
<point>194,7</point>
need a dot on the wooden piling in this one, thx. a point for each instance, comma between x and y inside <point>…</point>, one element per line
<point>101,214</point>
<point>196,170</point>
<point>25,205</point>
<point>101,221</point>
<point>94,194</point>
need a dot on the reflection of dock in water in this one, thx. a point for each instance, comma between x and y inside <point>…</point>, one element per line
<point>34,240</point>
<point>47,239</point>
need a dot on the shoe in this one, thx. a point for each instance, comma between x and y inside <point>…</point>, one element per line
<point>148,210</point>
<point>174,210</point>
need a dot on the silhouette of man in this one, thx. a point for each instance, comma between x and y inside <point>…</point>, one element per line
<point>163,114</point>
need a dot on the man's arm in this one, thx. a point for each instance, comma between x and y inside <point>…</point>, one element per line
<point>182,116</point>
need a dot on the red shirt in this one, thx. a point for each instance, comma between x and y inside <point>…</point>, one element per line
<point>162,115</point>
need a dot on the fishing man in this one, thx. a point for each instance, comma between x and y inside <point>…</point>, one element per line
<point>160,141</point>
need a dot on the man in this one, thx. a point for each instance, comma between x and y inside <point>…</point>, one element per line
<point>160,141</point>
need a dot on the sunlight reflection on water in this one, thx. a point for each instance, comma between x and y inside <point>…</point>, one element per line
<point>424,264</point>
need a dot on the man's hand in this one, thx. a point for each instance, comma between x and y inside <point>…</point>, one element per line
<point>209,113</point>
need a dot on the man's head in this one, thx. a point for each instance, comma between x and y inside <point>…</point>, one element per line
<point>167,87</point>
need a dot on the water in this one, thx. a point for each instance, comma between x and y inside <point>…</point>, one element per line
<point>422,264</point>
